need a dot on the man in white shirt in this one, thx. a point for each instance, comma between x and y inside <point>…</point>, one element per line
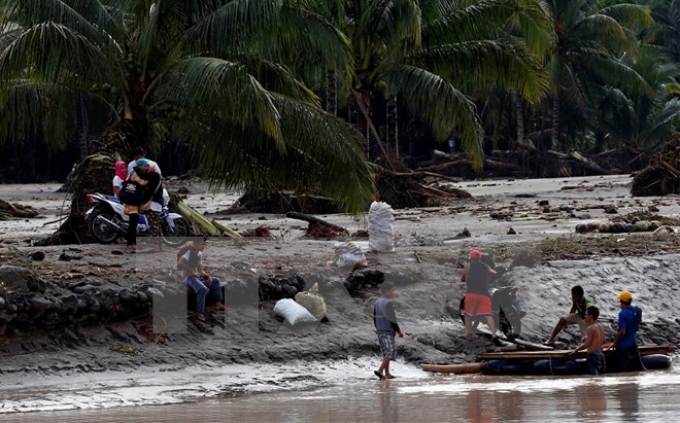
<point>190,262</point>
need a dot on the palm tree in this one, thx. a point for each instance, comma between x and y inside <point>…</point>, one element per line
<point>430,53</point>
<point>211,71</point>
<point>635,119</point>
<point>666,14</point>
<point>590,40</point>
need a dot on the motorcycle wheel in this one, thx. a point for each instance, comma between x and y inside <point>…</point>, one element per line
<point>178,236</point>
<point>511,322</point>
<point>100,231</point>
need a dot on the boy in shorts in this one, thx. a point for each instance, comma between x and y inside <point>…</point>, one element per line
<point>386,326</point>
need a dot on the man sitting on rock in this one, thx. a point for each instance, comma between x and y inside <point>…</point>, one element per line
<point>576,316</point>
<point>190,262</point>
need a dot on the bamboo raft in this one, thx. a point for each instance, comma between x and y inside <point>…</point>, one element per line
<point>533,356</point>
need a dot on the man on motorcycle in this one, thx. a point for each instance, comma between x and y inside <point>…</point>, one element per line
<point>478,299</point>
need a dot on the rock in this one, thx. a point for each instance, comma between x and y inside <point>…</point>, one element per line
<point>39,303</point>
<point>511,231</point>
<point>566,208</point>
<point>604,227</point>
<point>64,257</point>
<point>592,226</point>
<point>127,297</point>
<point>628,227</point>
<point>117,252</point>
<point>69,303</point>
<point>84,288</point>
<point>584,216</point>
<point>464,234</point>
<point>36,285</point>
<point>654,225</point>
<point>617,227</point>
<point>543,203</point>
<point>653,208</point>
<point>38,256</point>
<point>581,228</point>
<point>143,298</point>
<point>182,190</point>
<point>154,292</point>
<point>610,209</point>
<point>3,303</point>
<point>641,226</point>
<point>16,278</point>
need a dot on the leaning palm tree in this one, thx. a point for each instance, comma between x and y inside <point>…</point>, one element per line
<point>209,71</point>
<point>590,40</point>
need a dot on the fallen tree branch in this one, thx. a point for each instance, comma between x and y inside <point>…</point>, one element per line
<point>312,219</point>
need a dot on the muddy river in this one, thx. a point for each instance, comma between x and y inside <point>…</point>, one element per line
<point>644,397</point>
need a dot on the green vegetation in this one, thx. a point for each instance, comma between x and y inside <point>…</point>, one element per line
<point>304,94</point>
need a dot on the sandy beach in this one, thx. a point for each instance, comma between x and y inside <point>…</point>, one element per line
<point>545,254</point>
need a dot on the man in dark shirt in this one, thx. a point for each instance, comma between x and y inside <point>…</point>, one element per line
<point>477,298</point>
<point>386,326</point>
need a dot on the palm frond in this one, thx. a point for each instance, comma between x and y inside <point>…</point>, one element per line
<point>440,104</point>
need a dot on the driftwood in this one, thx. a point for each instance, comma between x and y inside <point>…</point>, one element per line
<point>9,210</point>
<point>315,220</point>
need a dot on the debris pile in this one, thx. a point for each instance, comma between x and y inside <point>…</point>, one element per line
<point>662,174</point>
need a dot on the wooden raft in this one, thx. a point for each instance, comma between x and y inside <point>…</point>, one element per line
<point>468,368</point>
<point>565,354</point>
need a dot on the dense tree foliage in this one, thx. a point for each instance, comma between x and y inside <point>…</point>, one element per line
<point>303,93</point>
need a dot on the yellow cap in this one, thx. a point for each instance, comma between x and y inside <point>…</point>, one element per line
<point>625,296</point>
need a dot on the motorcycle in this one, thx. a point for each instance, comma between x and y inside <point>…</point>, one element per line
<point>505,304</point>
<point>507,312</point>
<point>107,222</point>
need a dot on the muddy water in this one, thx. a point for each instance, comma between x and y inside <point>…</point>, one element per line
<point>648,397</point>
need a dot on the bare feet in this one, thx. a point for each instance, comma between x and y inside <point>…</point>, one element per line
<point>389,376</point>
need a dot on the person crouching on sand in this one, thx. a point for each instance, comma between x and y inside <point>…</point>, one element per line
<point>593,343</point>
<point>386,326</point>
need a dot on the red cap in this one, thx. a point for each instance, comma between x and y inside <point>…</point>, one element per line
<point>475,255</point>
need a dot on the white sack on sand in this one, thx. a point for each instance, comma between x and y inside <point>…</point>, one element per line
<point>380,231</point>
<point>293,312</point>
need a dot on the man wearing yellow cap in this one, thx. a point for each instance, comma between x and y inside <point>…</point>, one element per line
<point>625,343</point>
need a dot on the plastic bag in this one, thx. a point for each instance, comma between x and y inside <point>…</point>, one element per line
<point>348,254</point>
<point>312,301</point>
<point>293,312</point>
<point>380,232</point>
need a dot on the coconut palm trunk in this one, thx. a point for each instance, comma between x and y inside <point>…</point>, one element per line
<point>331,92</point>
<point>519,111</point>
<point>83,127</point>
<point>556,130</point>
<point>392,127</point>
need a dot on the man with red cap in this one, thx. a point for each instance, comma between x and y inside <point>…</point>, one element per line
<point>478,299</point>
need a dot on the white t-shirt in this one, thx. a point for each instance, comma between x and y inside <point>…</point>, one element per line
<point>117,181</point>
<point>199,262</point>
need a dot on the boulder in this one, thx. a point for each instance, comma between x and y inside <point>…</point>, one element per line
<point>16,278</point>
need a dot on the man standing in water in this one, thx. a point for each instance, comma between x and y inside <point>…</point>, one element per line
<point>625,343</point>
<point>593,343</point>
<point>386,326</point>
<point>477,298</point>
<point>576,316</point>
